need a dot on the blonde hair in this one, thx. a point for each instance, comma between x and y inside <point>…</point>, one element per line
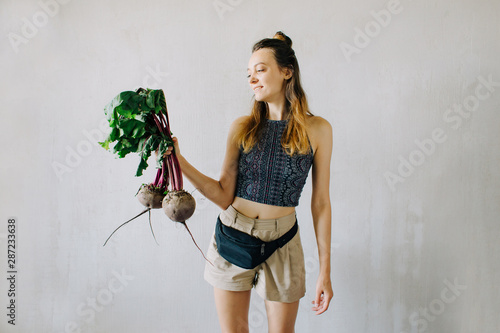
<point>294,139</point>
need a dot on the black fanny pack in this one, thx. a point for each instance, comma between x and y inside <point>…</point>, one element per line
<point>244,250</point>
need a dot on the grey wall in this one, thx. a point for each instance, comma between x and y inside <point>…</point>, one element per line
<point>414,178</point>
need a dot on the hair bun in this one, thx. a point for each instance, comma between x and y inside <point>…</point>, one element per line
<point>281,36</point>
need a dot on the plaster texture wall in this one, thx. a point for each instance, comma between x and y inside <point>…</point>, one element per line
<point>411,88</point>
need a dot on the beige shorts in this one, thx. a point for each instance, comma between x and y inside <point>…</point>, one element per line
<point>280,278</point>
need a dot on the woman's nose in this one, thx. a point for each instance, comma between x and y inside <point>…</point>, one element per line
<point>252,79</point>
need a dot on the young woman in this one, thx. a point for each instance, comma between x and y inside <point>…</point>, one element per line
<point>268,157</point>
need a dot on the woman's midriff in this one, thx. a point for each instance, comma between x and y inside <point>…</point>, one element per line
<point>258,210</point>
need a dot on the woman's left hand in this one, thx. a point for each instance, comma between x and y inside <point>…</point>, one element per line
<point>324,294</point>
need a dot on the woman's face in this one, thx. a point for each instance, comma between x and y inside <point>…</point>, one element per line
<point>265,77</point>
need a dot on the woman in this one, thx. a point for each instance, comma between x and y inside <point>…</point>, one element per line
<point>268,156</point>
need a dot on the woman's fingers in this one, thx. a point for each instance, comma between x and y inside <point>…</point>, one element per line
<point>176,145</point>
<point>169,148</point>
<point>322,304</point>
<point>169,151</point>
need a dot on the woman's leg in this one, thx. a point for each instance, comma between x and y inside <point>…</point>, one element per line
<point>232,308</point>
<point>281,316</point>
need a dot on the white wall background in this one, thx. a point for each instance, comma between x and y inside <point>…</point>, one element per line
<point>397,250</point>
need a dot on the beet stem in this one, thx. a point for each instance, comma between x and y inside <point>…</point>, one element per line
<point>196,243</point>
<point>165,123</point>
<point>166,116</point>
<point>157,122</point>
<point>144,211</point>
<point>173,171</point>
<point>157,182</point>
<point>171,174</point>
<point>177,173</point>
<point>165,174</point>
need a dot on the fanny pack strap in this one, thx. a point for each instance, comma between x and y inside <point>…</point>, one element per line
<point>280,242</point>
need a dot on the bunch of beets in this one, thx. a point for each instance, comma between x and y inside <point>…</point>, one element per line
<point>139,122</point>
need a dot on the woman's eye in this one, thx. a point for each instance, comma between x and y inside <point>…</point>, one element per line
<point>258,70</point>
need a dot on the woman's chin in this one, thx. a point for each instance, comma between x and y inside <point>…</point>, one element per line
<point>259,98</point>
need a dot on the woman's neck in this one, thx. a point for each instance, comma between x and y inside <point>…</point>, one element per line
<point>276,109</point>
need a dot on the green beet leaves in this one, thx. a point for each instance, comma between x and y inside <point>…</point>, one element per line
<point>137,120</point>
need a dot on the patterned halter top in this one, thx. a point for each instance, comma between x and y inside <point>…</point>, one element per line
<point>267,174</point>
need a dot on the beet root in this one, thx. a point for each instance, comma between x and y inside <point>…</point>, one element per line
<point>150,196</point>
<point>178,205</point>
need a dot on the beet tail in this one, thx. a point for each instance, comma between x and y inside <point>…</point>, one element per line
<point>151,226</point>
<point>144,211</point>
<point>196,243</point>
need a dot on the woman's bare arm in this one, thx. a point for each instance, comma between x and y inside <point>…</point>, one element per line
<point>220,192</point>
<point>321,211</point>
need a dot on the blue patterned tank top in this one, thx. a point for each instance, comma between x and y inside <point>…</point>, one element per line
<point>267,174</point>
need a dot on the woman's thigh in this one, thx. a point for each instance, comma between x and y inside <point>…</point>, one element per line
<point>282,278</point>
<point>232,309</point>
<point>281,316</point>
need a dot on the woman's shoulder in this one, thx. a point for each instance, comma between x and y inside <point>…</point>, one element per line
<point>240,120</point>
<point>236,127</point>
<point>319,131</point>
<point>318,124</point>
<point>237,122</point>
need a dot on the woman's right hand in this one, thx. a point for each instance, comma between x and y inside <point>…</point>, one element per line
<point>169,149</point>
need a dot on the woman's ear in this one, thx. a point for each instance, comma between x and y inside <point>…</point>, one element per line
<point>288,73</point>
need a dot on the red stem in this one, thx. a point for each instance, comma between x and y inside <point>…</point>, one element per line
<point>166,114</point>
<point>165,124</point>
<point>178,172</point>
<point>172,173</point>
<point>160,175</point>
<point>157,179</point>
<point>158,124</point>
<point>165,178</point>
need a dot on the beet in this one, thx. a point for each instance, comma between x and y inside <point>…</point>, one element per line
<point>150,196</point>
<point>178,205</point>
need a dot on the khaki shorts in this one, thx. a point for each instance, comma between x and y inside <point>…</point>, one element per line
<point>280,278</point>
